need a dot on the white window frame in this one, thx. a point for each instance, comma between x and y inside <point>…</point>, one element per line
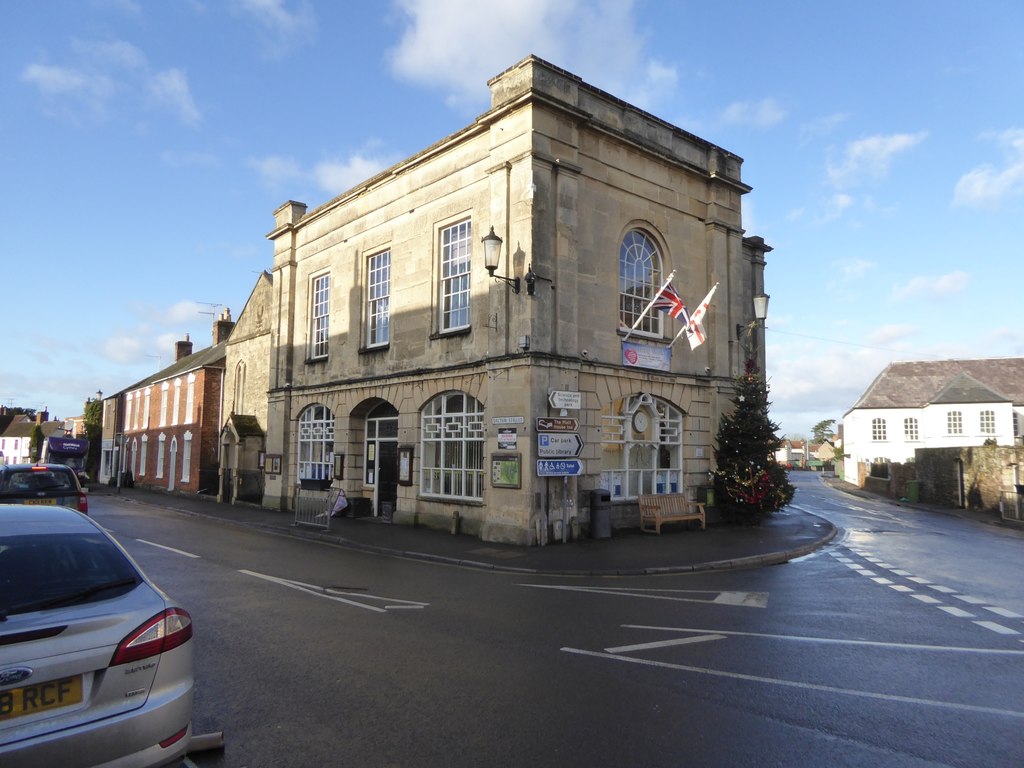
<point>987,422</point>
<point>879,430</point>
<point>452,433</point>
<point>145,410</point>
<point>186,456</point>
<point>315,440</point>
<point>911,430</point>
<point>160,455</point>
<point>954,423</point>
<point>642,447</point>
<point>176,406</point>
<point>640,277</point>
<point>190,400</point>
<point>319,315</point>
<point>378,299</point>
<point>142,455</point>
<point>163,403</point>
<point>455,272</point>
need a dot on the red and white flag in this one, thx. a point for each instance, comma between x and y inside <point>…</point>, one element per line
<point>694,330</point>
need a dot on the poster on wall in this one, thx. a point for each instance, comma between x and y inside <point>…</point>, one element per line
<point>506,470</point>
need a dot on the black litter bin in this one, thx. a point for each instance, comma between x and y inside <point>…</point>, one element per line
<point>600,514</point>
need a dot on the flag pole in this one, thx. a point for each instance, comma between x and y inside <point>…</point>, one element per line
<point>651,303</point>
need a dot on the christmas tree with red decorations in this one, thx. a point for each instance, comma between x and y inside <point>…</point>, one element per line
<point>749,482</point>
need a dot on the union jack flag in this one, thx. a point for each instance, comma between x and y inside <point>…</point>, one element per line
<point>671,303</point>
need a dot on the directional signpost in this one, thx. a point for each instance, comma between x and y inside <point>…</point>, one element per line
<point>559,467</point>
<point>556,445</point>
<point>565,400</point>
<point>557,424</point>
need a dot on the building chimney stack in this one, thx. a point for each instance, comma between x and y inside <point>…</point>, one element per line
<point>182,348</point>
<point>222,326</point>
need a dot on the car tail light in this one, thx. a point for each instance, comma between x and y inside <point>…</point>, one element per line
<point>83,503</point>
<point>162,633</point>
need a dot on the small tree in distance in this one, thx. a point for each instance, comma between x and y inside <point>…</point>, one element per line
<point>749,482</point>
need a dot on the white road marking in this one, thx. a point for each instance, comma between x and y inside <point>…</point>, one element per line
<point>832,640</point>
<point>710,596</point>
<point>900,587</point>
<point>971,600</point>
<point>943,590</point>
<point>918,580</point>
<point>926,599</point>
<point>958,612</point>
<point>1003,612</point>
<point>997,627</point>
<point>665,643</point>
<point>803,686</point>
<point>865,572</point>
<point>169,549</point>
<point>329,593</point>
<point>900,572</point>
<point>881,580</point>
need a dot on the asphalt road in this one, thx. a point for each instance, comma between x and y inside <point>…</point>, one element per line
<point>311,655</point>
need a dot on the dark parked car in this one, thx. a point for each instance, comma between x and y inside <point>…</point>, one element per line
<point>42,484</point>
<point>96,662</point>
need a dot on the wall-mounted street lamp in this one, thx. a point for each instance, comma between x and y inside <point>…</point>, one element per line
<point>760,313</point>
<point>492,252</point>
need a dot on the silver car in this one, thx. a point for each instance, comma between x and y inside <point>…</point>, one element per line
<point>95,661</point>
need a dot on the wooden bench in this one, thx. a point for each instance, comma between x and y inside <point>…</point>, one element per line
<point>659,508</point>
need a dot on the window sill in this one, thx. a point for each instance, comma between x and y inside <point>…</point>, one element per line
<point>450,334</point>
<point>316,360</point>
<point>375,349</point>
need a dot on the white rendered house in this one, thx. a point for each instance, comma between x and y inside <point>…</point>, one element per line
<point>935,404</point>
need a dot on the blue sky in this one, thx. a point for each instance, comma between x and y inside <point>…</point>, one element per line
<point>145,145</point>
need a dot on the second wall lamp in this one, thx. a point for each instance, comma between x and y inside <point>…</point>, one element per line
<point>492,252</point>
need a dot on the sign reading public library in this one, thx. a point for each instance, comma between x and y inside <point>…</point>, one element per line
<point>556,445</point>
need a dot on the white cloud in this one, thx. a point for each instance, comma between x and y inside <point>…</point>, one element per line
<point>105,70</point>
<point>855,268</point>
<point>335,177</point>
<point>822,126</point>
<point>118,53</point>
<point>987,185</point>
<point>888,335</point>
<point>332,176</point>
<point>283,28</point>
<point>170,89</point>
<point>934,287</point>
<point>761,114</point>
<point>278,171</point>
<point>596,39</point>
<point>871,158</point>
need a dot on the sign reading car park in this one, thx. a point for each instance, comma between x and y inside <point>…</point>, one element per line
<point>573,400</point>
<point>559,467</point>
<point>556,424</point>
<point>551,445</point>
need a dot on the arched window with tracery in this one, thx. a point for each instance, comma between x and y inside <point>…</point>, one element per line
<point>642,447</point>
<point>640,277</point>
<point>452,450</point>
<point>316,443</point>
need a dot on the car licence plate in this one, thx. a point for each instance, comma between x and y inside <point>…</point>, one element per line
<point>50,502</point>
<point>40,697</point>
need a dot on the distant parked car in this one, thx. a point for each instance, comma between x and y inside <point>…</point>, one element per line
<point>95,661</point>
<point>44,484</point>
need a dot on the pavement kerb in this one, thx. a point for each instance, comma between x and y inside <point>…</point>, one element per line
<point>293,531</point>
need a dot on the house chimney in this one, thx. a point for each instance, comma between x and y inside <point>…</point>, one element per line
<point>222,326</point>
<point>182,348</point>
<point>42,416</point>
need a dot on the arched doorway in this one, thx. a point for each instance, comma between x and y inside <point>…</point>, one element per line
<point>380,458</point>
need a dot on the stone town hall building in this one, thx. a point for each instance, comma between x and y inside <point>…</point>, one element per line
<point>400,368</point>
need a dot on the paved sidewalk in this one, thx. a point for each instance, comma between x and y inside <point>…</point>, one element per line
<point>679,549</point>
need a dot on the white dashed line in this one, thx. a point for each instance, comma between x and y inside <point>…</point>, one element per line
<point>928,599</point>
<point>958,612</point>
<point>1003,612</point>
<point>997,628</point>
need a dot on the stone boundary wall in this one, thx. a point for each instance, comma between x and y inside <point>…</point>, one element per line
<point>969,478</point>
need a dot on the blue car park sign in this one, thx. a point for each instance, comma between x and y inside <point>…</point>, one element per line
<point>559,467</point>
